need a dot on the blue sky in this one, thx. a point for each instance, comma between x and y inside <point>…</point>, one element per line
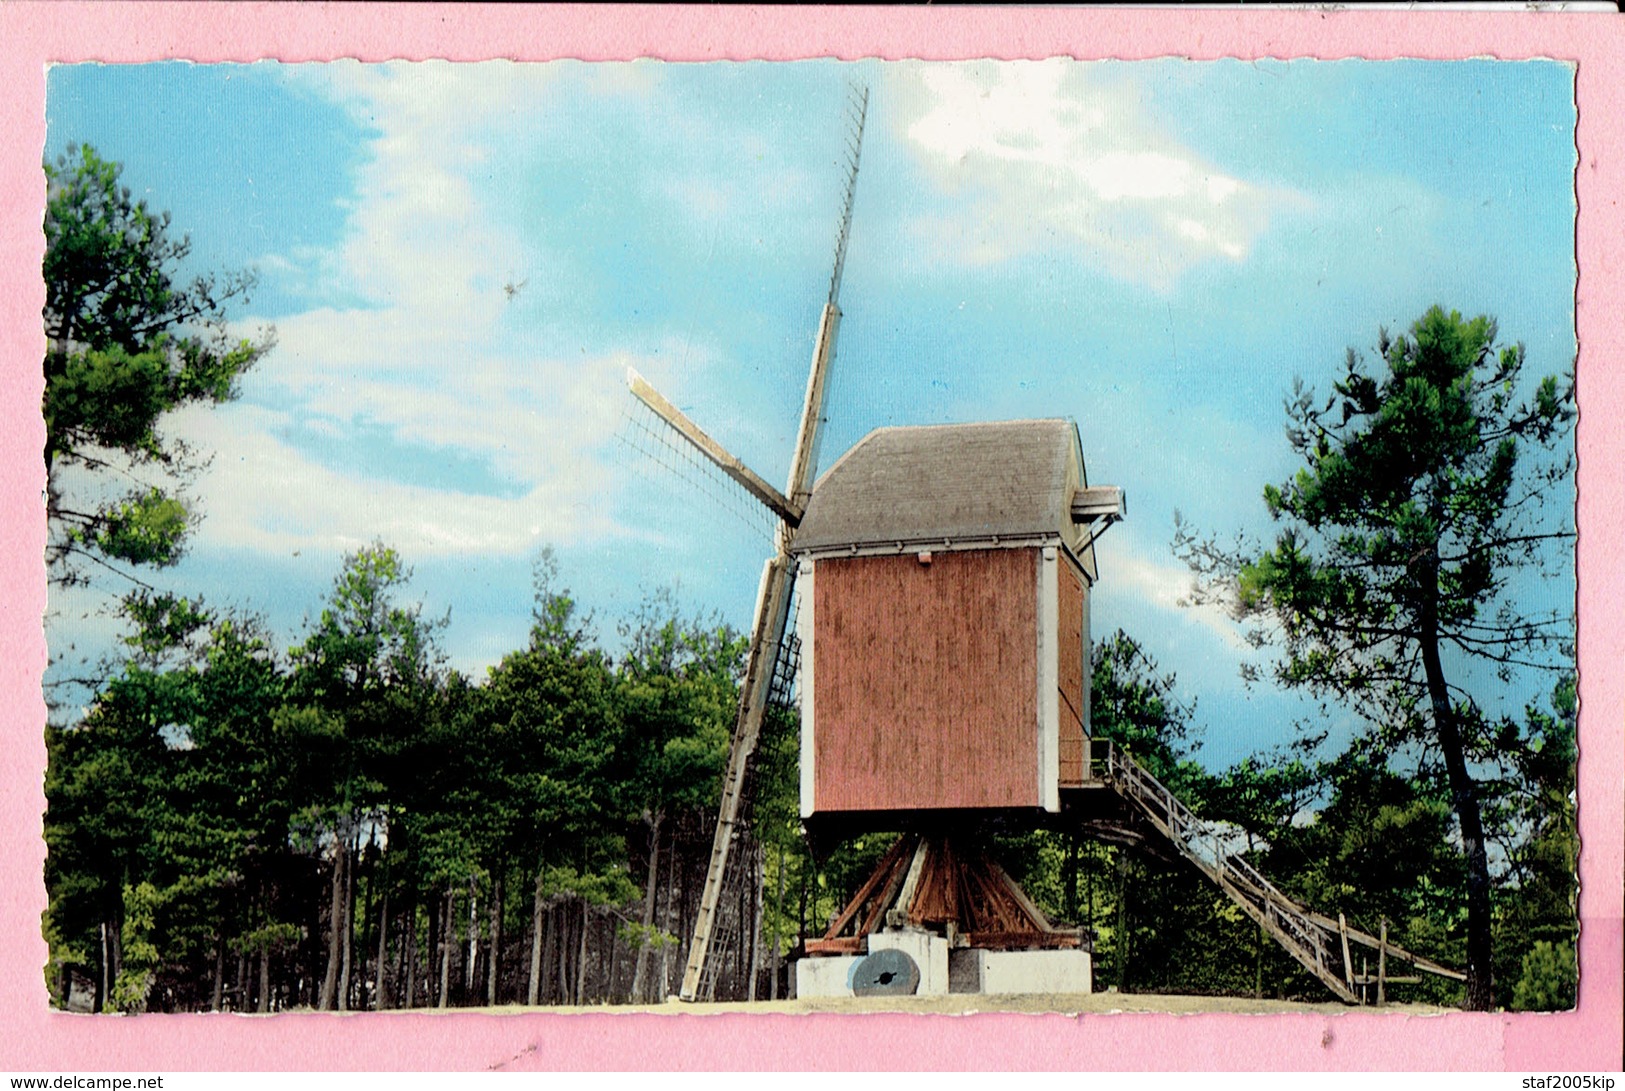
<point>1155,249</point>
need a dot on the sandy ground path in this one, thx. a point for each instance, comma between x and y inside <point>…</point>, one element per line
<point>961,1004</point>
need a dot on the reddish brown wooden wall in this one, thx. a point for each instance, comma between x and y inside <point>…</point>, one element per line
<point>1070,674</point>
<point>925,680</point>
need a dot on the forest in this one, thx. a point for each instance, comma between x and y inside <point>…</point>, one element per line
<point>335,819</point>
<point>348,825</point>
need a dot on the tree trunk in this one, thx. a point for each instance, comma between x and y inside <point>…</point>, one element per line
<point>410,955</point>
<point>431,953</point>
<point>348,940</point>
<point>473,941</point>
<point>1089,895</point>
<point>1122,921</point>
<point>264,1006</point>
<point>581,957</point>
<point>566,933</point>
<point>362,972</point>
<point>550,929</point>
<point>494,963</point>
<point>673,924</point>
<point>806,877</point>
<point>447,919</point>
<point>103,961</point>
<point>533,995</point>
<point>1258,964</point>
<point>335,918</point>
<point>218,991</point>
<point>614,955</point>
<point>651,884</point>
<point>1069,881</point>
<point>115,942</point>
<point>1464,796</point>
<point>380,988</point>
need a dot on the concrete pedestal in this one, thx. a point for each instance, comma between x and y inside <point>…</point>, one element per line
<point>962,970</point>
<point>1021,972</point>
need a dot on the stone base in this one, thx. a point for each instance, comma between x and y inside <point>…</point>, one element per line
<point>974,970</point>
<point>826,975</point>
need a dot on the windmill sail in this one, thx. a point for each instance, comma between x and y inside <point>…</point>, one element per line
<point>715,924</point>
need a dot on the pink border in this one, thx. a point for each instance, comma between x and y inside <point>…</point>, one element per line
<point>31,1037</point>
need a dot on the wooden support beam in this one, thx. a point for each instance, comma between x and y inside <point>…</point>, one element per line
<point>904,899</point>
<point>747,478</point>
<point>891,860</point>
<point>1382,965</point>
<point>1426,965</point>
<point>1011,940</point>
<point>1343,933</point>
<point>767,628</point>
<point>1037,915</point>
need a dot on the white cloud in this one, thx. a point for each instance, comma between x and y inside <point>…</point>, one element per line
<point>1040,151</point>
<point>433,365</point>
<point>1164,586</point>
<point>261,493</point>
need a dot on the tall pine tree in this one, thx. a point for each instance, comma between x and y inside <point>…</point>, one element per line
<point>1430,480</point>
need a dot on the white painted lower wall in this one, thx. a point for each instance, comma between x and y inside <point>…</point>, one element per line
<point>827,975</point>
<point>1036,972</point>
<point>995,972</point>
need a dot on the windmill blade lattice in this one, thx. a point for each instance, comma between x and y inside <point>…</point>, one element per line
<point>653,449</point>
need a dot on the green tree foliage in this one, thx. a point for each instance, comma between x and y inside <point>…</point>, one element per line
<point>677,698</point>
<point>139,955</point>
<point>348,824</point>
<point>128,341</point>
<point>546,737</point>
<point>1377,849</point>
<point>1549,979</point>
<point>1426,486</point>
<point>103,780</point>
<point>365,679</point>
<point>1133,703</point>
<point>1159,925</point>
<point>1532,817</point>
<point>169,788</point>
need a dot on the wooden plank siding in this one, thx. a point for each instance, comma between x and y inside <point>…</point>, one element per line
<point>925,681</point>
<point>1072,676</point>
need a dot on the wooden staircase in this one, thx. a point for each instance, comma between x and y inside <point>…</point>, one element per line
<point>1322,945</point>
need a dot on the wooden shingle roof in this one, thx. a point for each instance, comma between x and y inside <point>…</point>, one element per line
<point>948,485</point>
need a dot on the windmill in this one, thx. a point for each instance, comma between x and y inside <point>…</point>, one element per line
<point>942,578</point>
<point>773,597</point>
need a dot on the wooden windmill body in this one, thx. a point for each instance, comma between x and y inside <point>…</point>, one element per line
<point>941,577</point>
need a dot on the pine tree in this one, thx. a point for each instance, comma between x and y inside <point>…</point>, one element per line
<point>1429,482</point>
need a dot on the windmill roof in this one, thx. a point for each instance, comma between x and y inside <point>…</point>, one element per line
<point>947,483</point>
